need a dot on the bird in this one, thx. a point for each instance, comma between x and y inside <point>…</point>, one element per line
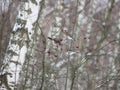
<point>56,40</point>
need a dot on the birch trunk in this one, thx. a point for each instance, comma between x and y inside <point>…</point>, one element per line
<point>21,41</point>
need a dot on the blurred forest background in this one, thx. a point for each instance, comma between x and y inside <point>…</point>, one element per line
<point>82,49</point>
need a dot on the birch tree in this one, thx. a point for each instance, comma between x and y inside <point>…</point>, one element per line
<point>21,42</point>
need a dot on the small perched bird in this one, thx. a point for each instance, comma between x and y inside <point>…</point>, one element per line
<point>57,41</point>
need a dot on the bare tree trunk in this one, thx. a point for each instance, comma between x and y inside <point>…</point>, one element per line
<point>21,41</point>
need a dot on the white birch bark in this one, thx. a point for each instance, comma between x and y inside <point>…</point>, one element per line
<point>20,42</point>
